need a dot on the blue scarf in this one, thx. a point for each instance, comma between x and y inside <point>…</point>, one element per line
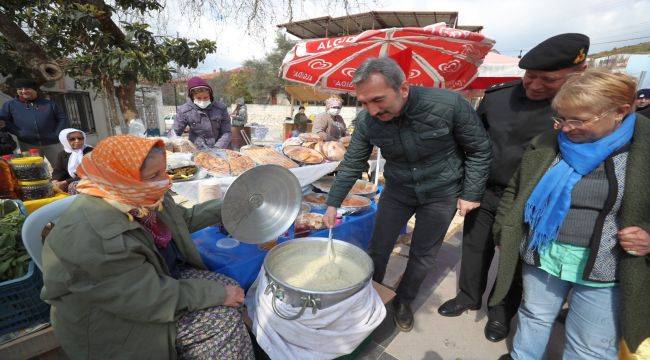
<point>551,199</point>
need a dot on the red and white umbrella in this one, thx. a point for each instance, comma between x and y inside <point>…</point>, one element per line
<point>441,56</point>
<point>496,69</point>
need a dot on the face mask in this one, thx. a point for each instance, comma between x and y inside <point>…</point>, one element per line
<point>334,112</point>
<point>202,104</point>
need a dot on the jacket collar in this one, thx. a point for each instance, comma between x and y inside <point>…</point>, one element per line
<point>411,101</point>
<point>107,221</point>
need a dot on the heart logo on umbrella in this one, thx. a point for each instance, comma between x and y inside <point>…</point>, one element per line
<point>449,67</point>
<point>414,73</point>
<point>319,64</point>
<point>349,72</point>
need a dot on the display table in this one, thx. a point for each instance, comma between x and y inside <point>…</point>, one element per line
<point>305,175</point>
<point>33,205</point>
<point>244,262</point>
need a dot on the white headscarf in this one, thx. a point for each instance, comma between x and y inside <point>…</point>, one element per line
<point>75,155</point>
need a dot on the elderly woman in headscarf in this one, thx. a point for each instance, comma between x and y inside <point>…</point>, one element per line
<point>576,214</point>
<point>329,125</point>
<point>64,174</point>
<point>207,118</point>
<point>122,274</point>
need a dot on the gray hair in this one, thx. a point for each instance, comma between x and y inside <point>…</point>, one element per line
<point>384,66</point>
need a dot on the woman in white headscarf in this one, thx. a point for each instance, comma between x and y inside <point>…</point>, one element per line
<point>65,166</point>
<point>329,125</point>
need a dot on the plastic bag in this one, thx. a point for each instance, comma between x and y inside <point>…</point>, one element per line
<point>179,160</point>
<point>137,128</point>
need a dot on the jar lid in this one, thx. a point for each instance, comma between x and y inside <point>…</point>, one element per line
<point>34,183</point>
<point>28,160</point>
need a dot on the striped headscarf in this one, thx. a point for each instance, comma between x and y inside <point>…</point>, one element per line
<point>112,172</point>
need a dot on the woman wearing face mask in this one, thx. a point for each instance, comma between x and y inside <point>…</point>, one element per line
<point>576,215</point>
<point>64,175</point>
<point>330,125</point>
<point>208,119</point>
<point>122,274</point>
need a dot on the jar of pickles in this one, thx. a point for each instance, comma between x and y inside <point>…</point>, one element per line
<point>30,168</point>
<point>34,190</point>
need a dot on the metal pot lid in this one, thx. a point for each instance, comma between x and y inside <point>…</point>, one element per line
<point>261,204</point>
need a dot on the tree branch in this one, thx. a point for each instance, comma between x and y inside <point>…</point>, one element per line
<point>37,60</point>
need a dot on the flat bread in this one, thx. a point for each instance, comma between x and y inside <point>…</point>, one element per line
<point>363,187</point>
<point>311,221</point>
<point>315,198</point>
<point>239,163</point>
<point>345,141</point>
<point>267,156</point>
<point>304,155</point>
<point>333,150</point>
<point>212,163</point>
<point>309,137</point>
<point>355,201</point>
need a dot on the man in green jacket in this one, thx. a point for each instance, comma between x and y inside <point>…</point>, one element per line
<point>437,161</point>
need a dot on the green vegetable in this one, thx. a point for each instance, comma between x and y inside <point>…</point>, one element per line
<point>14,260</point>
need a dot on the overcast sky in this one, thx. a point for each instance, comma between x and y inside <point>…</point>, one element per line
<point>514,24</point>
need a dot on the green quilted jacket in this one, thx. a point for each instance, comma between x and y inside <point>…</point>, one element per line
<point>437,147</point>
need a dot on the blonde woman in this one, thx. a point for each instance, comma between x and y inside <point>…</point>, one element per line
<point>575,216</point>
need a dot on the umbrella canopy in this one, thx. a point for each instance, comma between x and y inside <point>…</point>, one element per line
<point>496,69</point>
<point>441,56</point>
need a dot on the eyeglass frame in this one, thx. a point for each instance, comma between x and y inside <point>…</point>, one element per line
<point>559,123</point>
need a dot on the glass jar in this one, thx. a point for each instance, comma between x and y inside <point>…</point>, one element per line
<point>30,168</point>
<point>34,190</point>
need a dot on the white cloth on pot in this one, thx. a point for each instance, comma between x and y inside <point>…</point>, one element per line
<point>330,333</point>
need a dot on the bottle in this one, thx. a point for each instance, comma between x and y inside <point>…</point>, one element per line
<point>9,188</point>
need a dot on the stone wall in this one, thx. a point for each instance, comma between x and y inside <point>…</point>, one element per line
<point>272,116</point>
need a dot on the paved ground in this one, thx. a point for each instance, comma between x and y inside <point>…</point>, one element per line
<point>433,336</point>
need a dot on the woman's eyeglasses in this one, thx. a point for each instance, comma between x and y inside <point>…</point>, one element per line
<point>75,139</point>
<point>559,121</point>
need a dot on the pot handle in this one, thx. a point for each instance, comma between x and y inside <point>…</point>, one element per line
<point>272,287</point>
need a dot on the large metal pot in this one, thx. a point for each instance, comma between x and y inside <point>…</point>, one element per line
<point>305,298</point>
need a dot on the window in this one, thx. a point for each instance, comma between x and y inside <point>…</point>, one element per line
<point>78,108</point>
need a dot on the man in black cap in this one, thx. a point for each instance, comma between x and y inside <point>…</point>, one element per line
<point>35,121</point>
<point>513,113</point>
<point>643,102</point>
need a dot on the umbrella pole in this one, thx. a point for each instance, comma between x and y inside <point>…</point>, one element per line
<point>377,168</point>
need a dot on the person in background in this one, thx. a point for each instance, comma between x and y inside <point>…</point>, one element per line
<point>7,143</point>
<point>643,102</point>
<point>575,217</point>
<point>239,116</point>
<point>329,125</point>
<point>513,114</point>
<point>208,120</point>
<point>121,271</point>
<point>301,120</point>
<point>64,174</point>
<point>35,121</point>
<point>437,161</point>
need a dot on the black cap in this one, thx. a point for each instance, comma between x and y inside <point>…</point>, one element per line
<point>25,83</point>
<point>643,94</point>
<point>558,52</point>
